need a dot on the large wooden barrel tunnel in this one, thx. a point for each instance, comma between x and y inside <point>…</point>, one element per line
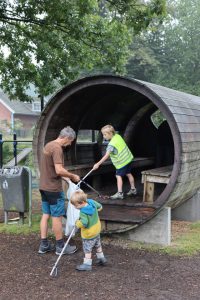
<point>129,105</point>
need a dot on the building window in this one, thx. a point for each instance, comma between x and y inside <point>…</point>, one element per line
<point>36,106</point>
<point>87,136</point>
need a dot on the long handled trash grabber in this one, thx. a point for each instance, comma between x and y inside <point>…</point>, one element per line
<point>93,189</point>
<point>82,180</point>
<point>87,184</point>
<point>54,270</point>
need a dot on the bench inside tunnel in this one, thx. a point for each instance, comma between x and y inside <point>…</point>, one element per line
<point>152,176</point>
<point>96,177</point>
<point>107,166</point>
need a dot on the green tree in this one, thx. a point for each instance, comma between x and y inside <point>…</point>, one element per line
<point>143,63</point>
<point>49,43</point>
<point>182,48</point>
<point>171,50</point>
<point>5,127</point>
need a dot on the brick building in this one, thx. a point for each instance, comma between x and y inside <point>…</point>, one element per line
<point>13,113</point>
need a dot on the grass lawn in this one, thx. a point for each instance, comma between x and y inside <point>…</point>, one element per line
<point>185,240</point>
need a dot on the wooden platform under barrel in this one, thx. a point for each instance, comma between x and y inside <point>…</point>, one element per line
<point>130,210</point>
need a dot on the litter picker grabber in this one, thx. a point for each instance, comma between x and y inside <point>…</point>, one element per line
<point>82,180</point>
<point>88,185</point>
<point>54,270</point>
<point>93,189</point>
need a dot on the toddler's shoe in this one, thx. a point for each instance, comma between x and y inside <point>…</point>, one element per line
<point>84,267</point>
<point>117,196</point>
<point>101,261</point>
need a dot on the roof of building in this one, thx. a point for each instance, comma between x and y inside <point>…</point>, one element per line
<point>18,107</point>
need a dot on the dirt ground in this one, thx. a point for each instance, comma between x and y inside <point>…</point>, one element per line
<point>129,274</point>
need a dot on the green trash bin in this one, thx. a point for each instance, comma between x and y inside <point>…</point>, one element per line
<point>16,191</point>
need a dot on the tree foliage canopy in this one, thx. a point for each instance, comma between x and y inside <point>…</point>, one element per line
<point>170,53</point>
<point>49,43</point>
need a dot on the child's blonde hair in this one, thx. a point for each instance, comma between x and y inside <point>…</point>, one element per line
<point>108,128</point>
<point>78,197</point>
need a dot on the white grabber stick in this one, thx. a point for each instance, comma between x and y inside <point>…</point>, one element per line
<point>82,180</point>
<point>78,184</point>
<point>54,270</point>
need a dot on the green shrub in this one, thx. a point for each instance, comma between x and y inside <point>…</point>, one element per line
<point>7,152</point>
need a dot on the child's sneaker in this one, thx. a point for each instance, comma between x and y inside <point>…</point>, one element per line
<point>101,261</point>
<point>132,192</point>
<point>84,267</point>
<point>44,248</point>
<point>117,196</point>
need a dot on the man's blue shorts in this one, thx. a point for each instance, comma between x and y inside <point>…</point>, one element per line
<point>53,203</point>
<point>124,170</point>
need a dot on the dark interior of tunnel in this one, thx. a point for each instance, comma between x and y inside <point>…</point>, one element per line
<point>130,112</point>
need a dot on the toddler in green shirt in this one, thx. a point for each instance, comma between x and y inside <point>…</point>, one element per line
<point>90,226</point>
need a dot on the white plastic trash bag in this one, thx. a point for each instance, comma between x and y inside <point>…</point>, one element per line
<point>72,212</point>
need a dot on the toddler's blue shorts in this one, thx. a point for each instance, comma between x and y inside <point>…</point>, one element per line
<point>89,244</point>
<point>53,203</point>
<point>124,170</point>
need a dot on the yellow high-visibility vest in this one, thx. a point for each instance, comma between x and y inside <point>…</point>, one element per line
<point>123,156</point>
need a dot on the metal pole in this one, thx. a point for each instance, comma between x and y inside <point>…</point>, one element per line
<point>15,147</point>
<point>42,102</point>
<point>93,136</point>
<point>5,217</point>
<point>1,150</point>
<point>30,195</point>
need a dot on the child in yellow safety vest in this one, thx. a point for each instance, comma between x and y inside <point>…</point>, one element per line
<point>121,158</point>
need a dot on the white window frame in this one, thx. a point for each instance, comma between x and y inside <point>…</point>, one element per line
<point>36,106</point>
